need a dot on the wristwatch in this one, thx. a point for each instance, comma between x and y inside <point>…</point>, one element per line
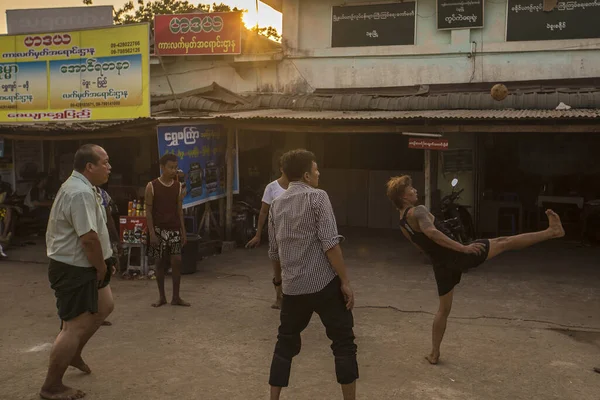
<point>276,283</point>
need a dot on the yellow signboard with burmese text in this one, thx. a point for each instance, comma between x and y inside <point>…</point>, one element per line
<point>87,75</point>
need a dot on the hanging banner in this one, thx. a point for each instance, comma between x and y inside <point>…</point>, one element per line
<point>198,34</point>
<point>87,75</point>
<point>201,151</point>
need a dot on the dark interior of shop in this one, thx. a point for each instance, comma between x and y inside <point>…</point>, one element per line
<point>536,171</point>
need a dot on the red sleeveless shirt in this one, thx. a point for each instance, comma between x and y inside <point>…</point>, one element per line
<point>165,207</point>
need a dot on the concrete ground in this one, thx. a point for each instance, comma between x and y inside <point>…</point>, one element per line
<point>525,326</point>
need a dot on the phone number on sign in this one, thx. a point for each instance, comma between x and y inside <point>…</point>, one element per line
<point>97,104</point>
<point>125,44</point>
<point>130,50</point>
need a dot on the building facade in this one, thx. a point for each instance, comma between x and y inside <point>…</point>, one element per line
<point>352,79</point>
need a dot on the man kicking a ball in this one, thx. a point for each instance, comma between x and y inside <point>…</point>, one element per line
<point>450,258</point>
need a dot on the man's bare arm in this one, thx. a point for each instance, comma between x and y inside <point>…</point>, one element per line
<point>336,259</point>
<point>425,221</point>
<point>93,251</point>
<point>149,200</point>
<point>262,218</point>
<point>181,219</point>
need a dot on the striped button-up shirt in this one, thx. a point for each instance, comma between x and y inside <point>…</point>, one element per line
<point>302,229</point>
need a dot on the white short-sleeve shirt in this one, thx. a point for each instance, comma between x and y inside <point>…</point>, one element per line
<point>77,210</point>
<point>272,191</point>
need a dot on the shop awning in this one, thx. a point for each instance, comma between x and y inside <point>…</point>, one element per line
<point>425,121</point>
<point>283,114</point>
<point>81,130</point>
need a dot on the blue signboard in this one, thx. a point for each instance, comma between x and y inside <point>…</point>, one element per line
<point>201,152</point>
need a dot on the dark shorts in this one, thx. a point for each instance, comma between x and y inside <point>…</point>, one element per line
<point>76,288</point>
<point>449,271</point>
<point>169,244</point>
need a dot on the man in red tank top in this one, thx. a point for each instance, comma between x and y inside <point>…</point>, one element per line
<point>166,229</point>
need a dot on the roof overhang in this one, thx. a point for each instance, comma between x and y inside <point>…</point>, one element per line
<point>448,115</point>
<point>285,120</point>
<point>426,121</point>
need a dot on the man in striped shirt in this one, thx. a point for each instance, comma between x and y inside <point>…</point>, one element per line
<point>308,263</point>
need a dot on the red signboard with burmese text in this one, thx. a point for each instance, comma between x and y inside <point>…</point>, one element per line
<point>428,144</point>
<point>198,34</point>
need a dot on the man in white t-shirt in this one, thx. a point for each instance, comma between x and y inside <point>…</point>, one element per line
<point>272,191</point>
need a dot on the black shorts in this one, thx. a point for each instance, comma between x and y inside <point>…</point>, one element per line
<point>449,271</point>
<point>76,288</point>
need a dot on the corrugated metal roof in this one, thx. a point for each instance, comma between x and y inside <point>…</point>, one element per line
<point>538,100</point>
<point>114,128</point>
<point>547,100</point>
<point>282,114</point>
<point>43,126</point>
<point>195,103</point>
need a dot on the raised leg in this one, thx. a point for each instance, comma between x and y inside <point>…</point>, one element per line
<point>176,273</point>
<point>439,326</point>
<point>64,349</point>
<point>518,242</point>
<point>106,305</point>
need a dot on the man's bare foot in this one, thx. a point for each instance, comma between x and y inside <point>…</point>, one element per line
<point>80,365</point>
<point>160,302</point>
<point>555,226</point>
<point>179,302</point>
<point>433,358</point>
<point>61,393</point>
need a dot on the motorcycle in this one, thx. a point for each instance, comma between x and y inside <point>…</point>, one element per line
<point>456,218</point>
<point>245,217</point>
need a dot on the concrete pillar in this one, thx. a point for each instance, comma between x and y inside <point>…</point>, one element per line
<point>291,24</point>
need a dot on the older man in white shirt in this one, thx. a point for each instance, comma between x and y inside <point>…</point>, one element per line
<point>81,264</point>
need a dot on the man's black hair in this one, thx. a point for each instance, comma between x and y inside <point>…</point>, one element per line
<point>86,154</point>
<point>166,158</point>
<point>296,163</point>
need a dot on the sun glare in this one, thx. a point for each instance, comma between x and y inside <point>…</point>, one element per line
<point>250,19</point>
